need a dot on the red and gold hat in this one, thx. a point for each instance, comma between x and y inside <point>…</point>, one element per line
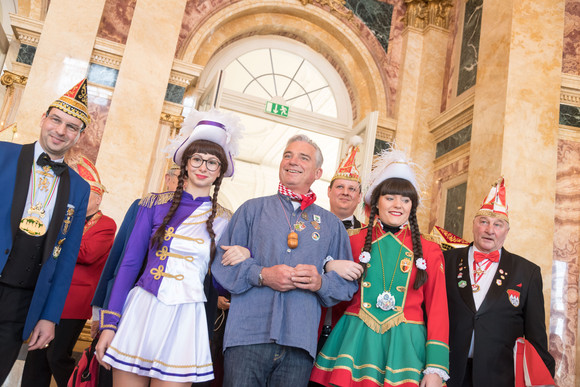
<point>447,240</point>
<point>88,171</point>
<point>495,204</point>
<point>74,103</point>
<point>347,169</point>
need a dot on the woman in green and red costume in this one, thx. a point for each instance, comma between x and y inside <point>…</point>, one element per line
<point>395,330</point>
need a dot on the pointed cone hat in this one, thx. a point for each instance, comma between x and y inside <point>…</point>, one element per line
<point>74,102</point>
<point>495,204</point>
<point>88,171</point>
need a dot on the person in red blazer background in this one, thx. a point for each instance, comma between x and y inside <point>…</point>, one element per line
<point>98,235</point>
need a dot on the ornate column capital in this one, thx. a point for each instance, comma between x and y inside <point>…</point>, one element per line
<point>8,79</point>
<point>422,13</point>
<point>174,120</point>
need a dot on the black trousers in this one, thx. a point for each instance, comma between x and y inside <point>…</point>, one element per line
<point>468,379</point>
<point>14,304</point>
<point>56,360</point>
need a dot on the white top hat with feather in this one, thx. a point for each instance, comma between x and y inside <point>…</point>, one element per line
<point>389,164</point>
<point>222,128</point>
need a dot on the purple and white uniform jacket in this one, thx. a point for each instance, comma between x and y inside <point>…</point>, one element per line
<point>174,271</point>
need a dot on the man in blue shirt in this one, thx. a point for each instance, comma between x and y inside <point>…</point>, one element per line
<point>271,332</point>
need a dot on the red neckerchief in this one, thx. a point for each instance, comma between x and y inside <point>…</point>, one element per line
<point>305,200</point>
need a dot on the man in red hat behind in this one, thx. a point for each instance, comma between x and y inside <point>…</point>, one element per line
<point>42,211</point>
<point>98,235</point>
<point>494,298</point>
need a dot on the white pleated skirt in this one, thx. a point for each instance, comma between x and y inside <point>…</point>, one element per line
<point>166,342</point>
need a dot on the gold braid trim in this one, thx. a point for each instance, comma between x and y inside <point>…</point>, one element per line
<point>223,212</point>
<point>155,199</point>
<point>376,325</point>
<point>432,238</point>
<point>354,231</point>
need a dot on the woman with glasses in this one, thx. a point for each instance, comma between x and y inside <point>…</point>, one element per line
<point>156,332</point>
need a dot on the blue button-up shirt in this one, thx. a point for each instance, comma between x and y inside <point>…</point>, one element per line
<point>260,314</point>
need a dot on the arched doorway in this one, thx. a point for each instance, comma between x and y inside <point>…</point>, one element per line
<point>279,87</point>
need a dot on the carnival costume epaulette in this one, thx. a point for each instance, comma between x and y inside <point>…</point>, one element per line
<point>431,238</point>
<point>354,231</point>
<point>223,212</point>
<point>155,199</point>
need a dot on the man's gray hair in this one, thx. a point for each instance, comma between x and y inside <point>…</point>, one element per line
<point>305,138</point>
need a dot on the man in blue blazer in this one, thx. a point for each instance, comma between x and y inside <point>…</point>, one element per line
<point>42,213</point>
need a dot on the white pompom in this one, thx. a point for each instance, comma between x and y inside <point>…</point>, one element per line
<point>365,257</point>
<point>421,263</point>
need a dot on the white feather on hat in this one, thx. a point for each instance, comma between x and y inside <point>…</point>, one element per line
<point>391,163</point>
<point>222,128</point>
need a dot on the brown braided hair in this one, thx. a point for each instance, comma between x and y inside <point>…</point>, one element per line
<point>397,186</point>
<point>198,146</point>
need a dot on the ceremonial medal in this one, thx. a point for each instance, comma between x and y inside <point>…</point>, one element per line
<point>315,225</point>
<point>57,248</point>
<point>32,226</point>
<point>406,265</point>
<point>304,216</point>
<point>386,301</point>
<point>475,288</point>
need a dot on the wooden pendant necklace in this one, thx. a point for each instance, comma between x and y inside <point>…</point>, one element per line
<point>292,236</point>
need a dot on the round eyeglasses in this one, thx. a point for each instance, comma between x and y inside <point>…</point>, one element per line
<point>212,165</point>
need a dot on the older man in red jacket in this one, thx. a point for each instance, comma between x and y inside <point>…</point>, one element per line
<point>98,235</point>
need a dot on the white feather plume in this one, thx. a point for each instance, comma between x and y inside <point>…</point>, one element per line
<point>381,167</point>
<point>355,141</point>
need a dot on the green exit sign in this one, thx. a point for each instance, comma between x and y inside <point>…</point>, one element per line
<point>277,109</point>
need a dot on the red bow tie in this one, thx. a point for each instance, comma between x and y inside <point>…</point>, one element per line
<point>479,256</point>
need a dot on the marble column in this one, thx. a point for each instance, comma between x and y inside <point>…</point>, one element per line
<point>61,60</point>
<point>515,121</point>
<point>131,133</point>
<point>419,100</point>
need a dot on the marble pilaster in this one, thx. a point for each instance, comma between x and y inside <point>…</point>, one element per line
<point>131,134</point>
<point>61,60</point>
<point>515,125</point>
<point>564,306</point>
<point>420,98</point>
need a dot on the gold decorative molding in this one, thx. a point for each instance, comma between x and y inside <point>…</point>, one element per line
<point>336,6</point>
<point>174,120</point>
<point>8,79</point>
<point>423,13</point>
